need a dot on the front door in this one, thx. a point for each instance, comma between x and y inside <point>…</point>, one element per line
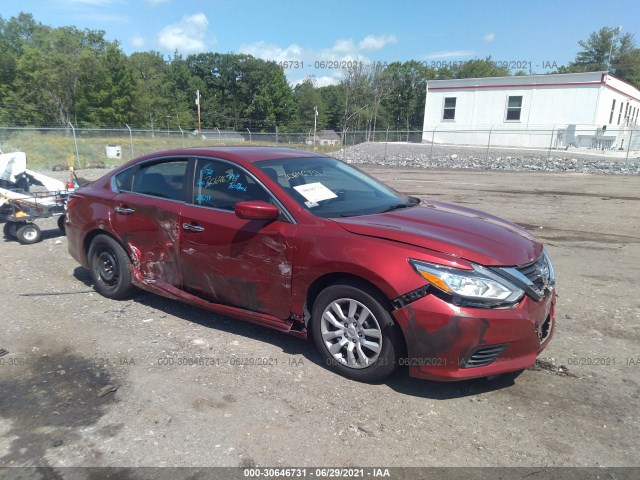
<point>228,260</point>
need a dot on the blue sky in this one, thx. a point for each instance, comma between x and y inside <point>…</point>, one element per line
<point>533,33</point>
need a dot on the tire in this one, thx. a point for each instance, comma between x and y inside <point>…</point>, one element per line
<point>61,220</point>
<point>28,234</point>
<point>368,347</point>
<point>110,268</point>
<point>10,230</point>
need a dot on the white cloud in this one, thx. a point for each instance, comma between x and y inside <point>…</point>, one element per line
<point>269,51</point>
<point>187,36</point>
<point>343,46</point>
<point>138,41</point>
<point>451,54</point>
<point>341,52</point>
<point>321,81</point>
<point>372,42</point>
<point>489,37</point>
<point>325,81</point>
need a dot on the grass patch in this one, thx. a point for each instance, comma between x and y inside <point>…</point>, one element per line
<point>48,148</point>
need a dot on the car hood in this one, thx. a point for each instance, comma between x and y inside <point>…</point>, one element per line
<point>470,234</point>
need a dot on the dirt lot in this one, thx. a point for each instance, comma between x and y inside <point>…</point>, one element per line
<point>578,408</point>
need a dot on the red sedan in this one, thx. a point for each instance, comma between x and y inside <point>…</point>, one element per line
<point>309,245</point>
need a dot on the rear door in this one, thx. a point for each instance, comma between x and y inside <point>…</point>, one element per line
<point>227,260</point>
<point>146,216</point>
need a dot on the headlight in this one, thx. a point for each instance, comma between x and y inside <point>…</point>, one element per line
<point>478,287</point>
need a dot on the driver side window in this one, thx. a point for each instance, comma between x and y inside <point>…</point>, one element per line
<point>218,184</point>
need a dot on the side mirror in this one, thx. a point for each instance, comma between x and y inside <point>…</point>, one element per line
<point>256,210</point>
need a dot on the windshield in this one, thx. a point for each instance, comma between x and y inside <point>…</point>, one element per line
<point>329,188</point>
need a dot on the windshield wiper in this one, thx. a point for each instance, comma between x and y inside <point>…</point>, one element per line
<point>397,206</point>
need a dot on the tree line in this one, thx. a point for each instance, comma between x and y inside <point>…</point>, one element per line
<point>56,76</point>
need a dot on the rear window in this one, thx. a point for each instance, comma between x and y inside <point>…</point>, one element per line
<point>164,180</point>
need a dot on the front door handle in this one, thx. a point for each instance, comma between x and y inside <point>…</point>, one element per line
<point>124,210</point>
<point>192,228</point>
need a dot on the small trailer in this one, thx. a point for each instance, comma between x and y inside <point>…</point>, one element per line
<point>19,208</point>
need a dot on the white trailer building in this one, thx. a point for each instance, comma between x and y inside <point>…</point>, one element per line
<point>590,110</point>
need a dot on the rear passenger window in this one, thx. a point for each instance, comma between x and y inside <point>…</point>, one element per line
<point>164,180</point>
<point>123,180</point>
<point>222,185</point>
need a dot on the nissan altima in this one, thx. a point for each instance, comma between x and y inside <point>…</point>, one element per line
<point>309,245</point>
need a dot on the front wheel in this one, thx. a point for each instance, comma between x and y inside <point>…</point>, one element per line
<point>110,268</point>
<point>354,333</point>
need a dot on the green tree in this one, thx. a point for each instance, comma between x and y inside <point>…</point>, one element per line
<point>105,97</point>
<point>56,76</point>
<point>333,106</point>
<point>307,98</point>
<point>182,95</point>
<point>405,104</point>
<point>626,61</point>
<point>151,102</point>
<point>240,91</point>
<point>608,50</point>
<point>596,51</point>
<point>266,93</point>
<point>50,73</point>
<point>15,33</point>
<point>477,68</point>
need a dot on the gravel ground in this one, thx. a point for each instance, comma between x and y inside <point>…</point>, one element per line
<point>478,158</point>
<point>456,157</point>
<point>91,382</point>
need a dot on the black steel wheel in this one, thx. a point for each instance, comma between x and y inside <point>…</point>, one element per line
<point>110,268</point>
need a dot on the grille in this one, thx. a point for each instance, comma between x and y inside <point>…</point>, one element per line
<point>537,273</point>
<point>535,278</point>
<point>484,356</point>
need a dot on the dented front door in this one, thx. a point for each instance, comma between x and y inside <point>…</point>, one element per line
<point>243,263</point>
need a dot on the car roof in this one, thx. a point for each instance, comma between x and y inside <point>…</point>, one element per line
<point>237,153</point>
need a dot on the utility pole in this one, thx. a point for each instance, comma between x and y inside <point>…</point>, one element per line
<point>198,104</point>
<point>315,122</point>
<point>614,36</point>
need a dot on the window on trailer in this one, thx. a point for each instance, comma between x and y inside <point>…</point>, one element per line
<point>514,108</point>
<point>613,108</point>
<point>449,111</point>
<point>620,114</point>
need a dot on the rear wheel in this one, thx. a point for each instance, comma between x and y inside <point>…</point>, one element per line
<point>28,234</point>
<point>110,268</point>
<point>354,333</point>
<point>10,229</point>
<point>61,220</point>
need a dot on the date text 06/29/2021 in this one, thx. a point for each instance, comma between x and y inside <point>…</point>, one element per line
<point>526,65</point>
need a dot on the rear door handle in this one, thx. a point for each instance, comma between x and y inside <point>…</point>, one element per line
<point>192,228</point>
<point>124,210</point>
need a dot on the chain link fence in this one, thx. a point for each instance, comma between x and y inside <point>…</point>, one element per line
<point>61,148</point>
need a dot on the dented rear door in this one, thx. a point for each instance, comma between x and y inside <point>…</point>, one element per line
<point>145,216</point>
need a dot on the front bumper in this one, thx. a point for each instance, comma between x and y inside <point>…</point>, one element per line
<point>446,342</point>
